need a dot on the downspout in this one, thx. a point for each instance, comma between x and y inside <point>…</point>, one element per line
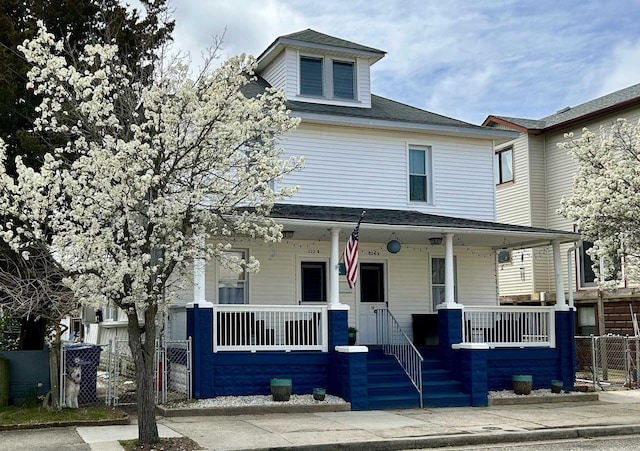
<point>570,263</point>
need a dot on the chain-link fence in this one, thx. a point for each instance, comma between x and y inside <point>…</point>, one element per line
<point>79,367</point>
<point>93,373</point>
<point>608,361</point>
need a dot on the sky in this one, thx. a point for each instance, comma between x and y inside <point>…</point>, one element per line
<point>462,59</point>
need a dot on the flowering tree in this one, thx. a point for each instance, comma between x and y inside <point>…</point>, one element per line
<point>150,177</point>
<point>137,32</point>
<point>606,197</point>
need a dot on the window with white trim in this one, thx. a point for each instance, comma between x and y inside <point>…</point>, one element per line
<point>338,82</point>
<point>503,166</point>
<point>232,285</point>
<point>420,174</point>
<point>585,267</point>
<point>438,280</point>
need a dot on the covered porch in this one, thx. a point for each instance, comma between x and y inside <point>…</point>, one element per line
<point>309,339</point>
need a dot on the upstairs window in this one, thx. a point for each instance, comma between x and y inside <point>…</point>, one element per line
<point>503,166</point>
<point>337,81</point>
<point>311,77</point>
<point>343,80</point>
<point>419,174</point>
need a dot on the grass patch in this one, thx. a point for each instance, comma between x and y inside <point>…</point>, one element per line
<point>38,416</point>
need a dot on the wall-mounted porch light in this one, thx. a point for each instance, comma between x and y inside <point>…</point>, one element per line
<point>287,234</point>
<point>393,245</point>
<point>435,241</point>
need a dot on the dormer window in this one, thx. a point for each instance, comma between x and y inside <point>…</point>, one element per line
<point>315,81</point>
<point>311,77</point>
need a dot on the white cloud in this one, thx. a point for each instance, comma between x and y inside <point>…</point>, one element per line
<point>458,58</point>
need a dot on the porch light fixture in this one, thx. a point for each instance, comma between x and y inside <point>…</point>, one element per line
<point>393,245</point>
<point>435,241</point>
<point>287,234</point>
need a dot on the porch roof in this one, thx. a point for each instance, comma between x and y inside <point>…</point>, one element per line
<point>313,221</point>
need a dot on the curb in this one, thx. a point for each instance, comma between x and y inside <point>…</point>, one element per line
<point>54,424</point>
<point>575,397</point>
<point>443,441</point>
<point>250,410</point>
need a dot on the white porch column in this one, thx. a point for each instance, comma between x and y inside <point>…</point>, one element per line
<point>449,279</point>
<point>557,271</point>
<point>199,265</point>
<point>334,265</point>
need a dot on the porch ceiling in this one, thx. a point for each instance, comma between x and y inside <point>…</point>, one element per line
<point>310,222</point>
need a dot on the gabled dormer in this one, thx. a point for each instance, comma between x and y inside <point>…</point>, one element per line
<point>318,68</point>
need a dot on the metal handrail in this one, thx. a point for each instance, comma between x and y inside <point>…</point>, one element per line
<point>395,342</point>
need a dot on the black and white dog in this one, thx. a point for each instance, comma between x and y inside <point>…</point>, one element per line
<point>72,386</point>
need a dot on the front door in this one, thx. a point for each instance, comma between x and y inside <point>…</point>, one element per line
<point>371,295</point>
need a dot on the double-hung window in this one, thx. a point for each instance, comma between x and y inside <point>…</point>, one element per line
<point>338,81</point>
<point>438,280</point>
<point>232,285</point>
<point>419,174</point>
<point>503,166</point>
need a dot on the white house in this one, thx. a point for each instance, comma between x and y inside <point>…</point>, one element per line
<point>427,241</point>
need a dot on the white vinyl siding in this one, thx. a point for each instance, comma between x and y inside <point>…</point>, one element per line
<point>407,280</point>
<point>512,199</point>
<point>371,166</point>
<point>276,73</point>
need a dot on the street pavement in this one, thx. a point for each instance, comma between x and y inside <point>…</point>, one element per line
<point>614,413</point>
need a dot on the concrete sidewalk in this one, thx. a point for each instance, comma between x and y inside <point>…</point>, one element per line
<point>615,413</point>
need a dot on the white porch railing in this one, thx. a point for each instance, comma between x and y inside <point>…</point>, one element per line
<point>270,328</point>
<point>507,326</point>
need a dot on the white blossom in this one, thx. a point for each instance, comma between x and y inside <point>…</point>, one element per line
<point>153,167</point>
<point>606,198</point>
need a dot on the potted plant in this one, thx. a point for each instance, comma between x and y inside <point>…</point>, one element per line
<point>352,331</point>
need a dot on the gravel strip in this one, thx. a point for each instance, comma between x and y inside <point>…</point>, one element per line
<point>258,400</point>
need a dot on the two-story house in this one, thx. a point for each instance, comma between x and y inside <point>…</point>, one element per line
<point>427,253</point>
<point>532,175</point>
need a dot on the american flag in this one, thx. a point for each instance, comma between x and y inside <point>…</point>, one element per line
<point>351,255</point>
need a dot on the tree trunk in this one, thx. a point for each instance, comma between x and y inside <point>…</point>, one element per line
<point>54,370</point>
<point>142,344</point>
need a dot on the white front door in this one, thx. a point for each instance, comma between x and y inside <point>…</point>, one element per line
<point>371,294</point>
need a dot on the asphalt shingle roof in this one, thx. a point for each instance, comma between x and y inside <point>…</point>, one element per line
<point>314,37</point>
<point>567,114</point>
<point>391,217</point>
<point>381,109</point>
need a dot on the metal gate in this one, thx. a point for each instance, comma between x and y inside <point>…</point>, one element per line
<point>608,361</point>
<point>172,372</point>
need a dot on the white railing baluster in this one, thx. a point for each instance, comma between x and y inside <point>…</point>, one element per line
<point>270,328</point>
<point>509,326</point>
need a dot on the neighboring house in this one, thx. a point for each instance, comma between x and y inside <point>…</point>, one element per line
<point>532,175</point>
<point>427,251</point>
